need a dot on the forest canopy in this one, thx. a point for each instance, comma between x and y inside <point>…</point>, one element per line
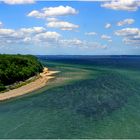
<point>15,68</point>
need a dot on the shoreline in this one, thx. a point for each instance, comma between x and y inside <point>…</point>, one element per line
<point>40,82</point>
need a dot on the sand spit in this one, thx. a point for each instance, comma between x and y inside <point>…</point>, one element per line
<point>32,86</point>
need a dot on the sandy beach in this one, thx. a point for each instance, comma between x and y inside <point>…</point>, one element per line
<point>32,86</point>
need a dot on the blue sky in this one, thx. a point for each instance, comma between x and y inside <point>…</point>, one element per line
<point>70,28</point>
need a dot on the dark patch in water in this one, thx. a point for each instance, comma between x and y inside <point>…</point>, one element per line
<point>91,98</point>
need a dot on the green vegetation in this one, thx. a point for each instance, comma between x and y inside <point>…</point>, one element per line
<point>15,68</point>
<point>2,87</point>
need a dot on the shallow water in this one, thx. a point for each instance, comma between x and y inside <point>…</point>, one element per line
<point>86,100</point>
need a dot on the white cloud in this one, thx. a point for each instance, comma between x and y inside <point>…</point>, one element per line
<point>94,45</point>
<point>1,24</point>
<point>6,32</point>
<point>63,25</point>
<point>125,22</point>
<point>50,19</point>
<point>12,2</point>
<point>81,44</point>
<point>91,33</point>
<point>108,25</point>
<point>47,36</point>
<point>50,14</point>
<point>10,36</point>
<point>41,37</point>
<point>19,35</point>
<point>127,5</point>
<point>53,12</point>
<point>133,41</point>
<point>106,37</point>
<point>34,35</point>
<point>36,14</point>
<point>127,32</point>
<point>27,39</point>
<point>71,42</point>
<point>131,36</point>
<point>33,30</point>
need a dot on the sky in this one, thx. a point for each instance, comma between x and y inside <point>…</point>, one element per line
<point>70,27</point>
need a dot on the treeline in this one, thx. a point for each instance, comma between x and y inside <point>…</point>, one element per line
<point>14,68</point>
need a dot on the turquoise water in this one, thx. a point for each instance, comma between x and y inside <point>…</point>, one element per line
<point>84,101</point>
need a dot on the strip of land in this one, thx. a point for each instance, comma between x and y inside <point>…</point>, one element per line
<point>37,84</point>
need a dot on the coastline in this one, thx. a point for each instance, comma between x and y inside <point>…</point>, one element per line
<point>40,82</point>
